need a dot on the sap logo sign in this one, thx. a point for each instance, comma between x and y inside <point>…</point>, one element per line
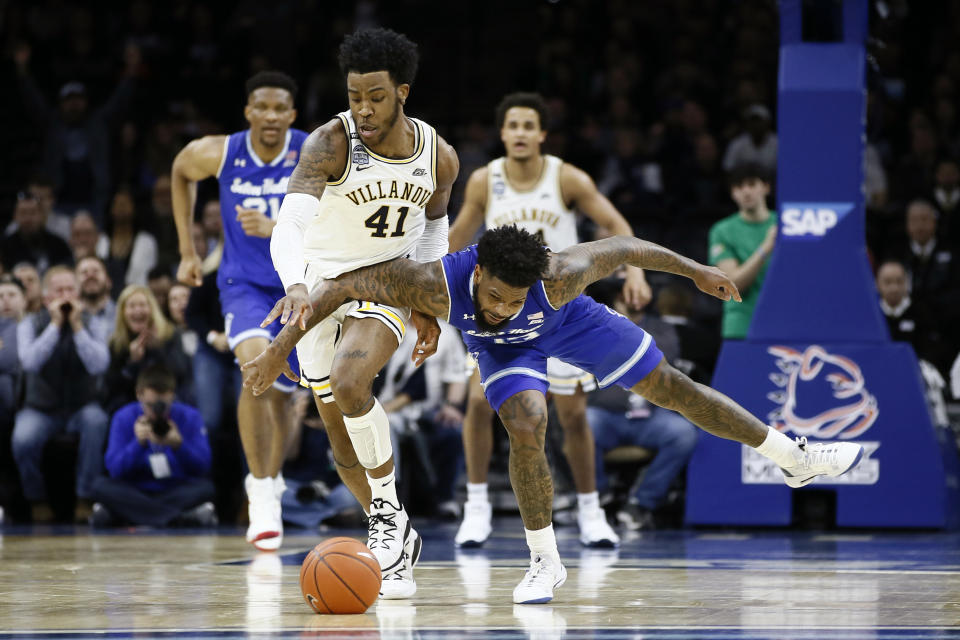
<point>812,219</point>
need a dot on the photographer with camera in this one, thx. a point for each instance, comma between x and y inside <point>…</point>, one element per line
<point>158,459</point>
<point>63,356</point>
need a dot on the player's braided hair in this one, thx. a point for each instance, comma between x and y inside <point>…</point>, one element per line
<point>512,255</point>
<point>370,50</point>
<point>277,79</point>
<point>522,99</point>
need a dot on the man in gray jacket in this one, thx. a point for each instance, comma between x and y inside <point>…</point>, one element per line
<point>62,356</point>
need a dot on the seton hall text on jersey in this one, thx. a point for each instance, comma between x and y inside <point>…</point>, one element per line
<point>371,191</point>
<point>269,187</point>
<point>527,215</point>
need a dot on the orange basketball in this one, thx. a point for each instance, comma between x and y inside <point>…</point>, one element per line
<point>340,575</point>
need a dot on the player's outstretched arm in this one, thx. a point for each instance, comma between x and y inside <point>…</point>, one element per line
<point>584,195</point>
<point>198,160</point>
<point>399,283</point>
<point>577,266</point>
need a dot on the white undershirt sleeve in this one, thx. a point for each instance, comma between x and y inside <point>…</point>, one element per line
<point>286,241</point>
<point>433,243</point>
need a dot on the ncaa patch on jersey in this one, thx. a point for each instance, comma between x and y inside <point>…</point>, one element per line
<point>360,155</point>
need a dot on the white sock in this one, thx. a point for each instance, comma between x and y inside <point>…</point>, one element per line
<point>384,488</point>
<point>587,502</point>
<point>543,541</point>
<point>477,492</point>
<point>779,448</point>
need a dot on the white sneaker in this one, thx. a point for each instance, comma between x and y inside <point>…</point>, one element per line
<point>821,458</point>
<point>388,531</point>
<point>476,526</point>
<point>400,583</point>
<point>266,525</point>
<point>545,574</point>
<point>595,531</point>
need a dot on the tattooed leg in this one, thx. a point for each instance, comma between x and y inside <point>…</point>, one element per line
<point>525,417</point>
<point>705,407</point>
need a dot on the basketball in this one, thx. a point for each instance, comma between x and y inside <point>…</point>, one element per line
<point>340,575</point>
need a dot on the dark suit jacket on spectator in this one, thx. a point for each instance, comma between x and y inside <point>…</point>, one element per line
<point>43,250</point>
<point>121,379</point>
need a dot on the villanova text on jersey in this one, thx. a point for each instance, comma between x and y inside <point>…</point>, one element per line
<point>376,210</point>
<point>246,181</point>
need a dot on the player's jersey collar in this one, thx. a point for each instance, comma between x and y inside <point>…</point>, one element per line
<point>256,159</point>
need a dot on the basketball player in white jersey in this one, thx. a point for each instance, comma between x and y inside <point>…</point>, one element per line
<point>371,185</point>
<point>540,194</point>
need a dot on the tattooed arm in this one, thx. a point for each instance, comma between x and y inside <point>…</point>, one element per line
<point>323,157</point>
<point>575,267</point>
<point>398,283</point>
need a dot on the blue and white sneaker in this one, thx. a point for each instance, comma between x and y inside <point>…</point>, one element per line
<point>821,459</point>
<point>545,574</point>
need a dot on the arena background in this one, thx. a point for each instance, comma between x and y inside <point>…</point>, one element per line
<point>645,97</point>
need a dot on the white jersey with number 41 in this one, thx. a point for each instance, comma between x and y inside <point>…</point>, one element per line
<point>376,210</point>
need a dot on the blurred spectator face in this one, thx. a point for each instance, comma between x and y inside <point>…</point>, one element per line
<point>177,301</point>
<point>270,113</point>
<point>758,127</point>
<point>121,209</point>
<point>921,222</point>
<point>923,143</point>
<point>162,200</point>
<point>706,153</point>
<point>892,283</point>
<point>199,239</point>
<point>12,301</point>
<point>83,235</point>
<point>694,118</point>
<point>160,287</point>
<point>28,216</point>
<point>948,175</point>
<point>60,285</point>
<point>136,313</point>
<point>750,194</point>
<point>521,133</point>
<point>93,279</point>
<point>28,275</point>
<point>212,223</point>
<point>73,108</point>
<point>44,195</point>
<point>626,142</point>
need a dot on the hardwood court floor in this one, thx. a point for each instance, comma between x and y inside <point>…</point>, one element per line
<point>658,586</point>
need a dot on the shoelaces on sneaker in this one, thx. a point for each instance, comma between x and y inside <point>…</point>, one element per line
<point>382,526</point>
<point>817,453</point>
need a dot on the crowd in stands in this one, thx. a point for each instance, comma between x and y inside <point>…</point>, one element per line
<point>669,106</point>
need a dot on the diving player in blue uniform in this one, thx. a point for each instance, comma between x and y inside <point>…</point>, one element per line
<point>253,167</point>
<point>516,303</point>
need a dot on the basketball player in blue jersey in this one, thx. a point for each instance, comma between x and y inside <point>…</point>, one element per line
<point>253,168</point>
<point>515,304</point>
<point>372,185</point>
<point>542,194</point>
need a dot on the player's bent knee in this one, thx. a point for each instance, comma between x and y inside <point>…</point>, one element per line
<point>370,436</point>
<point>350,393</point>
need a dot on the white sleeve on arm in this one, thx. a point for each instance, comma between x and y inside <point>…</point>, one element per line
<point>286,241</point>
<point>433,243</point>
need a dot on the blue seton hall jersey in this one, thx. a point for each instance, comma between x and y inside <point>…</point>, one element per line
<point>582,332</point>
<point>246,181</point>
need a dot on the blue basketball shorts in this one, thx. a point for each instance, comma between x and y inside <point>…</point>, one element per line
<point>244,307</point>
<point>602,342</point>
